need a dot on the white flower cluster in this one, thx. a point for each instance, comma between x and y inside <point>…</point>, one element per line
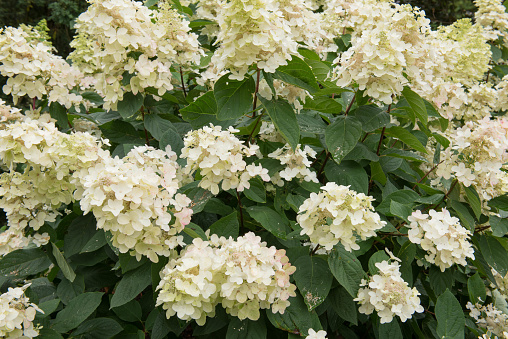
<point>316,335</point>
<point>442,236</point>
<point>17,314</point>
<point>297,164</point>
<point>33,70</point>
<point>491,14</point>
<point>9,114</point>
<point>382,49</point>
<point>388,294</point>
<point>135,199</point>
<point>477,156</point>
<point>338,214</point>
<point>489,318</point>
<point>128,37</point>
<point>243,275</point>
<point>252,32</point>
<point>219,156</point>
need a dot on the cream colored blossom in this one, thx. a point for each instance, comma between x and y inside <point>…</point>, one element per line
<point>129,38</point>
<point>388,294</point>
<point>136,199</point>
<point>442,236</point>
<point>31,68</point>
<point>219,156</point>
<point>17,314</point>
<point>316,335</point>
<point>244,275</point>
<point>489,318</point>
<point>296,161</point>
<point>252,33</point>
<point>491,14</point>
<point>338,214</point>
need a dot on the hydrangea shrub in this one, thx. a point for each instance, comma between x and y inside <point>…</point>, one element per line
<point>259,169</point>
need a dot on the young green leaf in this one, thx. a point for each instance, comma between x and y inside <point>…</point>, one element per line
<point>476,289</point>
<point>417,105</point>
<point>406,137</point>
<point>270,220</point>
<point>130,104</point>
<point>297,73</point>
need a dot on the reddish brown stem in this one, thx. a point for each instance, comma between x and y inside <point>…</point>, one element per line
<point>426,174</point>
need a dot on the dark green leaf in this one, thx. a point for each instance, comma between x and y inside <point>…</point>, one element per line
<point>77,311</point>
<point>450,317</point>
<point>67,290</point>
<point>195,231</point>
<point>67,271</point>
<point>59,113</point>
<point>346,268</point>
<point>342,136</point>
<point>297,73</point>
<point>205,104</point>
<point>474,201</point>
<point>314,279</point>
<point>24,262</point>
<point>465,217</point>
<point>348,173</point>
<point>157,126</point>
<point>406,137</point>
<point>440,281</point>
<point>323,104</point>
<point>270,220</point>
<point>296,317</point>
<point>227,226</point>
<point>130,311</point>
<point>130,104</point>
<point>173,139</point>
<point>234,98</point>
<point>407,254</point>
<point>80,232</point>
<point>499,202</point>
<point>377,173</point>
<point>132,283</point>
<point>476,289</point>
<point>494,253</point>
<point>256,192</point>
<point>417,105</point>
<point>284,118</point>
<point>400,210</point>
<point>408,155</point>
<point>372,117</point>
<point>344,305</point>
<point>48,333</point>
<point>96,242</point>
<point>499,226</point>
<point>246,329</point>
<point>406,197</point>
<point>390,330</point>
<point>98,328</point>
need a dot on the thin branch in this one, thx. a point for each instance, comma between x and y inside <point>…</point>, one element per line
<point>350,105</point>
<point>426,174</point>
<point>147,140</point>
<point>254,104</point>
<point>324,163</point>
<point>183,83</point>
<point>445,196</point>
<point>317,158</point>
<point>380,140</point>
<point>365,137</point>
<point>241,208</point>
<point>314,250</point>
<point>483,228</point>
<point>255,125</point>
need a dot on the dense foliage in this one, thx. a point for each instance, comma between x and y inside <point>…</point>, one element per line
<point>258,169</point>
